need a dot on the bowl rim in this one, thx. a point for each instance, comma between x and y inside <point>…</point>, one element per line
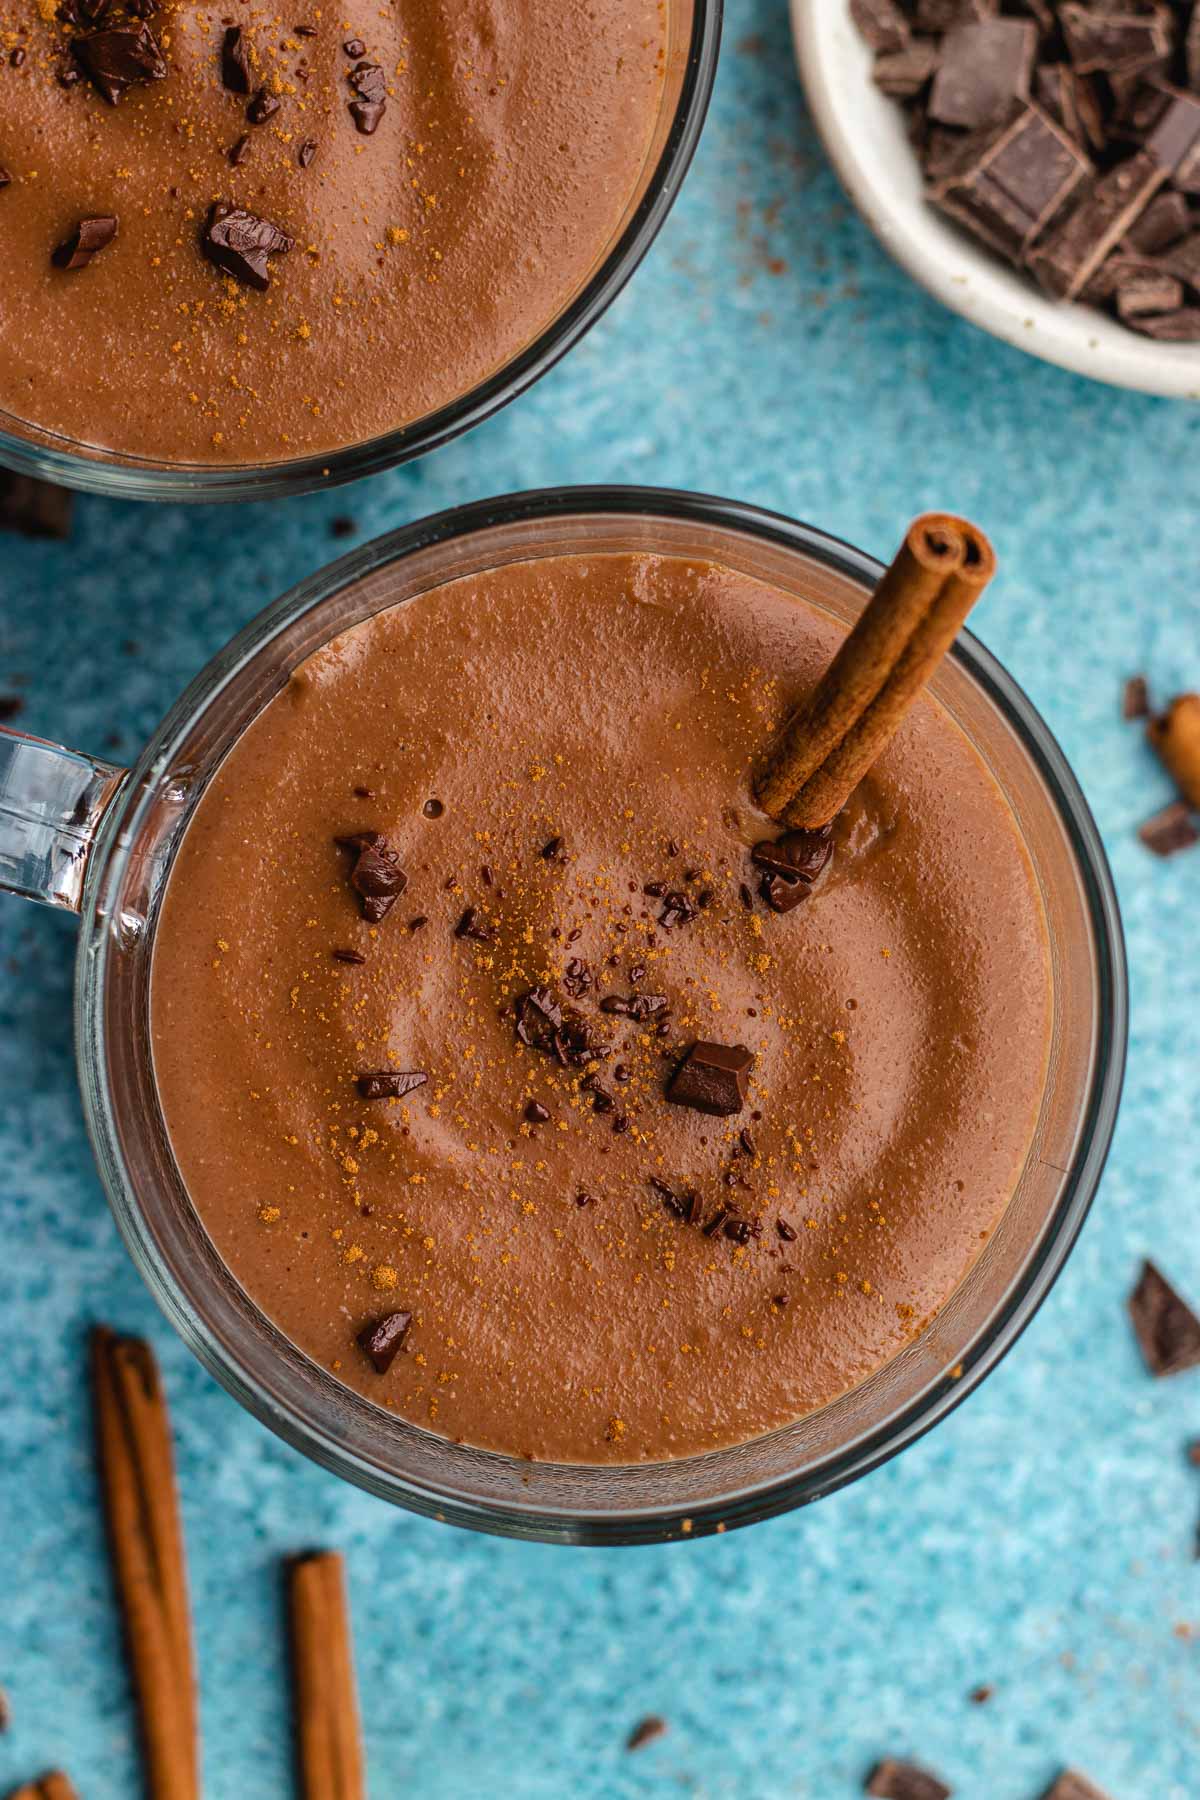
<point>615,1524</point>
<point>941,257</point>
<point>131,478</point>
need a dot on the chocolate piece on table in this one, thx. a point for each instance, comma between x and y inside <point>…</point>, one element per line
<point>1070,1785</point>
<point>1170,830</point>
<point>235,61</point>
<point>1163,223</point>
<point>1074,248</point>
<point>376,877</point>
<point>390,1084</point>
<point>645,1731</point>
<point>893,1780</point>
<point>982,69</point>
<point>1168,1331</point>
<point>120,58</point>
<point>35,508</point>
<point>881,23</point>
<point>1181,327</point>
<point>381,1340</point>
<point>712,1078</point>
<point>903,73</point>
<point>1027,172</point>
<point>88,238</point>
<point>1141,296</point>
<point>1135,698</point>
<point>1103,41</point>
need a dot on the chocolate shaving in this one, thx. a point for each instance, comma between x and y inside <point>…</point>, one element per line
<point>390,1084</point>
<point>262,107</point>
<point>543,1025</point>
<point>349,956</point>
<point>892,1780</point>
<point>376,877</point>
<point>381,1340</point>
<point>473,925</point>
<point>235,61</point>
<point>306,152</point>
<point>239,242</point>
<point>551,850</point>
<point>122,57</point>
<point>645,1732</point>
<point>536,1113</point>
<point>88,238</point>
<point>1168,1331</point>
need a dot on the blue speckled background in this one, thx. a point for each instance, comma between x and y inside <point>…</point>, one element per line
<point>1041,1540</point>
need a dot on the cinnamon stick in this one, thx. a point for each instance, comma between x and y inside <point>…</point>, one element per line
<point>53,1785</point>
<point>913,617</point>
<point>328,1744</point>
<point>1175,735</point>
<point>133,1437</point>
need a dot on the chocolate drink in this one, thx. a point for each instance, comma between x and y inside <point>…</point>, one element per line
<point>467,1098</point>
<point>425,193</point>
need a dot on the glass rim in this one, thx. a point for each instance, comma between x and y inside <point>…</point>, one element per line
<point>878,1442</point>
<point>132,478</point>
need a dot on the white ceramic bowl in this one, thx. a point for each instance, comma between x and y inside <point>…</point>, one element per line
<point>864,134</point>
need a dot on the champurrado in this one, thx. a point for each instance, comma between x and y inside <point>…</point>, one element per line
<point>558,757</point>
<point>439,182</point>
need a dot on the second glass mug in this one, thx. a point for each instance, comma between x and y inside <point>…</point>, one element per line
<point>81,834</point>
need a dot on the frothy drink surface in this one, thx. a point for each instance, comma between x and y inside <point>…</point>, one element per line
<point>432,235</point>
<point>557,754</point>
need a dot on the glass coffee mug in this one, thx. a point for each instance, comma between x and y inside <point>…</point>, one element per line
<point>100,840</point>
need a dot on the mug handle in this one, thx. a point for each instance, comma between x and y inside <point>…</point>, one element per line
<point>51,802</point>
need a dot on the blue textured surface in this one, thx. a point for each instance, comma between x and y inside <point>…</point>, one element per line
<point>1041,1540</point>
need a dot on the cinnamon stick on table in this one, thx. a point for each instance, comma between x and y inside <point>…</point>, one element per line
<point>329,1748</point>
<point>133,1435</point>
<point>907,626</point>
<point>53,1785</point>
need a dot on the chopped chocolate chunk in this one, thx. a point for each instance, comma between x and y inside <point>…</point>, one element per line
<point>119,58</point>
<point>637,1006</point>
<point>583,1198</point>
<point>416,923</point>
<point>305,30</point>
<point>675,1203</point>
<point>306,152</point>
<point>235,61</point>
<point>383,1337</point>
<point>376,877</point>
<point>892,1780</point>
<point>1170,830</point>
<point>1020,180</point>
<point>602,1100</point>
<point>1163,223</point>
<point>551,850</point>
<point>1103,41</point>
<point>536,1113</point>
<point>237,153</point>
<point>716,1224</point>
<point>1075,247</point>
<point>474,926</point>
<point>797,855</point>
<point>645,1731</point>
<point>16,58</point>
<point>903,73</point>
<point>68,75</point>
<point>746,1142</point>
<point>5,177</point>
<point>1147,296</point>
<point>678,909</point>
<point>780,894</point>
<point>349,956</point>
<point>88,238</point>
<point>881,23</point>
<point>370,84</point>
<point>390,1084</point>
<point>712,1078</point>
<point>239,242</point>
<point>1179,327</point>
<point>1168,1331</point>
<point>263,106</point>
<point>744,895</point>
<point>433,809</point>
<point>35,508</point>
<point>1174,138</point>
<point>740,1231</point>
<point>1070,1785</point>
<point>543,1025</point>
<point>354,47</point>
<point>1135,698</point>
<point>982,69</point>
<point>577,978</point>
<point>787,1232</point>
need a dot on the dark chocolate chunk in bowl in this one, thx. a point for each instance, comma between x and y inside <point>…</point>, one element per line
<point>712,1078</point>
<point>982,69</point>
<point>381,1340</point>
<point>239,243</point>
<point>88,238</point>
<point>1020,177</point>
<point>390,1084</point>
<point>122,57</point>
